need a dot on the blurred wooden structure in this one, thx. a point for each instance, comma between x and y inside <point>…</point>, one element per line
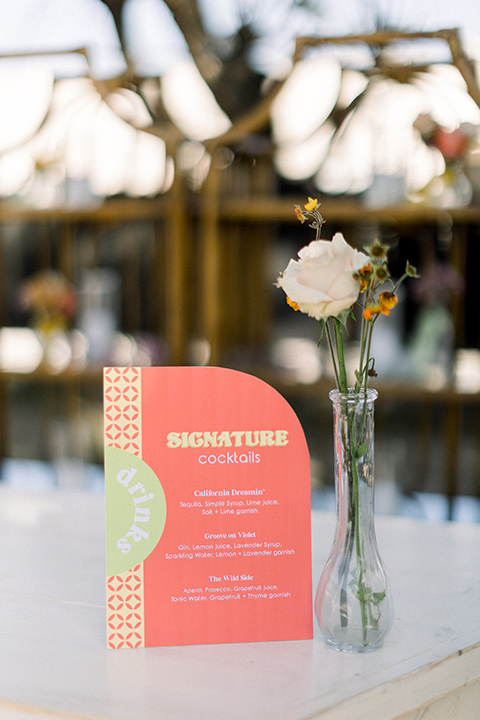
<point>207,274</point>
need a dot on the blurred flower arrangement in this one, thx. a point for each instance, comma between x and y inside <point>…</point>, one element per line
<point>452,188</point>
<point>51,299</point>
<point>453,144</point>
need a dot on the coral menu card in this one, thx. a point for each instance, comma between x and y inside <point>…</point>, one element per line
<point>207,488</point>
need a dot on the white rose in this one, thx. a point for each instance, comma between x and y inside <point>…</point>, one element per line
<point>324,281</point>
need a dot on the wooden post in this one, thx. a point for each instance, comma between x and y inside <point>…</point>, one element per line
<point>210,263</point>
<point>174,274</point>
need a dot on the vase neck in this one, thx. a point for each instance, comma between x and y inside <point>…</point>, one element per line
<point>353,415</point>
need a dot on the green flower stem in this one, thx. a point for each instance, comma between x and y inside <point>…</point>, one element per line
<point>367,335</point>
<point>332,354</point>
<point>399,282</point>
<point>356,497</point>
<point>358,547</point>
<point>365,353</point>
<point>342,386</point>
<point>352,467</point>
<point>361,366</point>
<point>350,450</point>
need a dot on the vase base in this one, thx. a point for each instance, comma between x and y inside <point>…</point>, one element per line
<point>351,649</point>
<point>352,645</point>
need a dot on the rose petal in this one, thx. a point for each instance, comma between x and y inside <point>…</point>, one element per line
<point>322,282</point>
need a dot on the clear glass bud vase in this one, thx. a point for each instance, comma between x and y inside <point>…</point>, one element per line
<point>353,604</point>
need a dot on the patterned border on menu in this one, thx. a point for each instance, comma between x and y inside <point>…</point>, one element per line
<point>125,617</point>
<point>125,600</point>
<point>122,409</point>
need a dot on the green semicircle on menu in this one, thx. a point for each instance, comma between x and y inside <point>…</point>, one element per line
<point>136,510</point>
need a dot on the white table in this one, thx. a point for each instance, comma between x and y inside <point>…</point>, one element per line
<point>54,661</point>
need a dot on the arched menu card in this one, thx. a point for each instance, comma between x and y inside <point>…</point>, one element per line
<point>207,509</point>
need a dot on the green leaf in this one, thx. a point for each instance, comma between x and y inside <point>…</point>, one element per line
<point>361,450</point>
<point>322,324</point>
<point>344,315</point>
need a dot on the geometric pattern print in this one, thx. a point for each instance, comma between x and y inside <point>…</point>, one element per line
<point>122,409</point>
<point>125,599</point>
<point>125,618</point>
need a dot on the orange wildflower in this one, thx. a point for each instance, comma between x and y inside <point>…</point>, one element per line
<point>372,310</point>
<point>366,271</point>
<point>364,275</point>
<point>388,300</point>
<point>292,303</point>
